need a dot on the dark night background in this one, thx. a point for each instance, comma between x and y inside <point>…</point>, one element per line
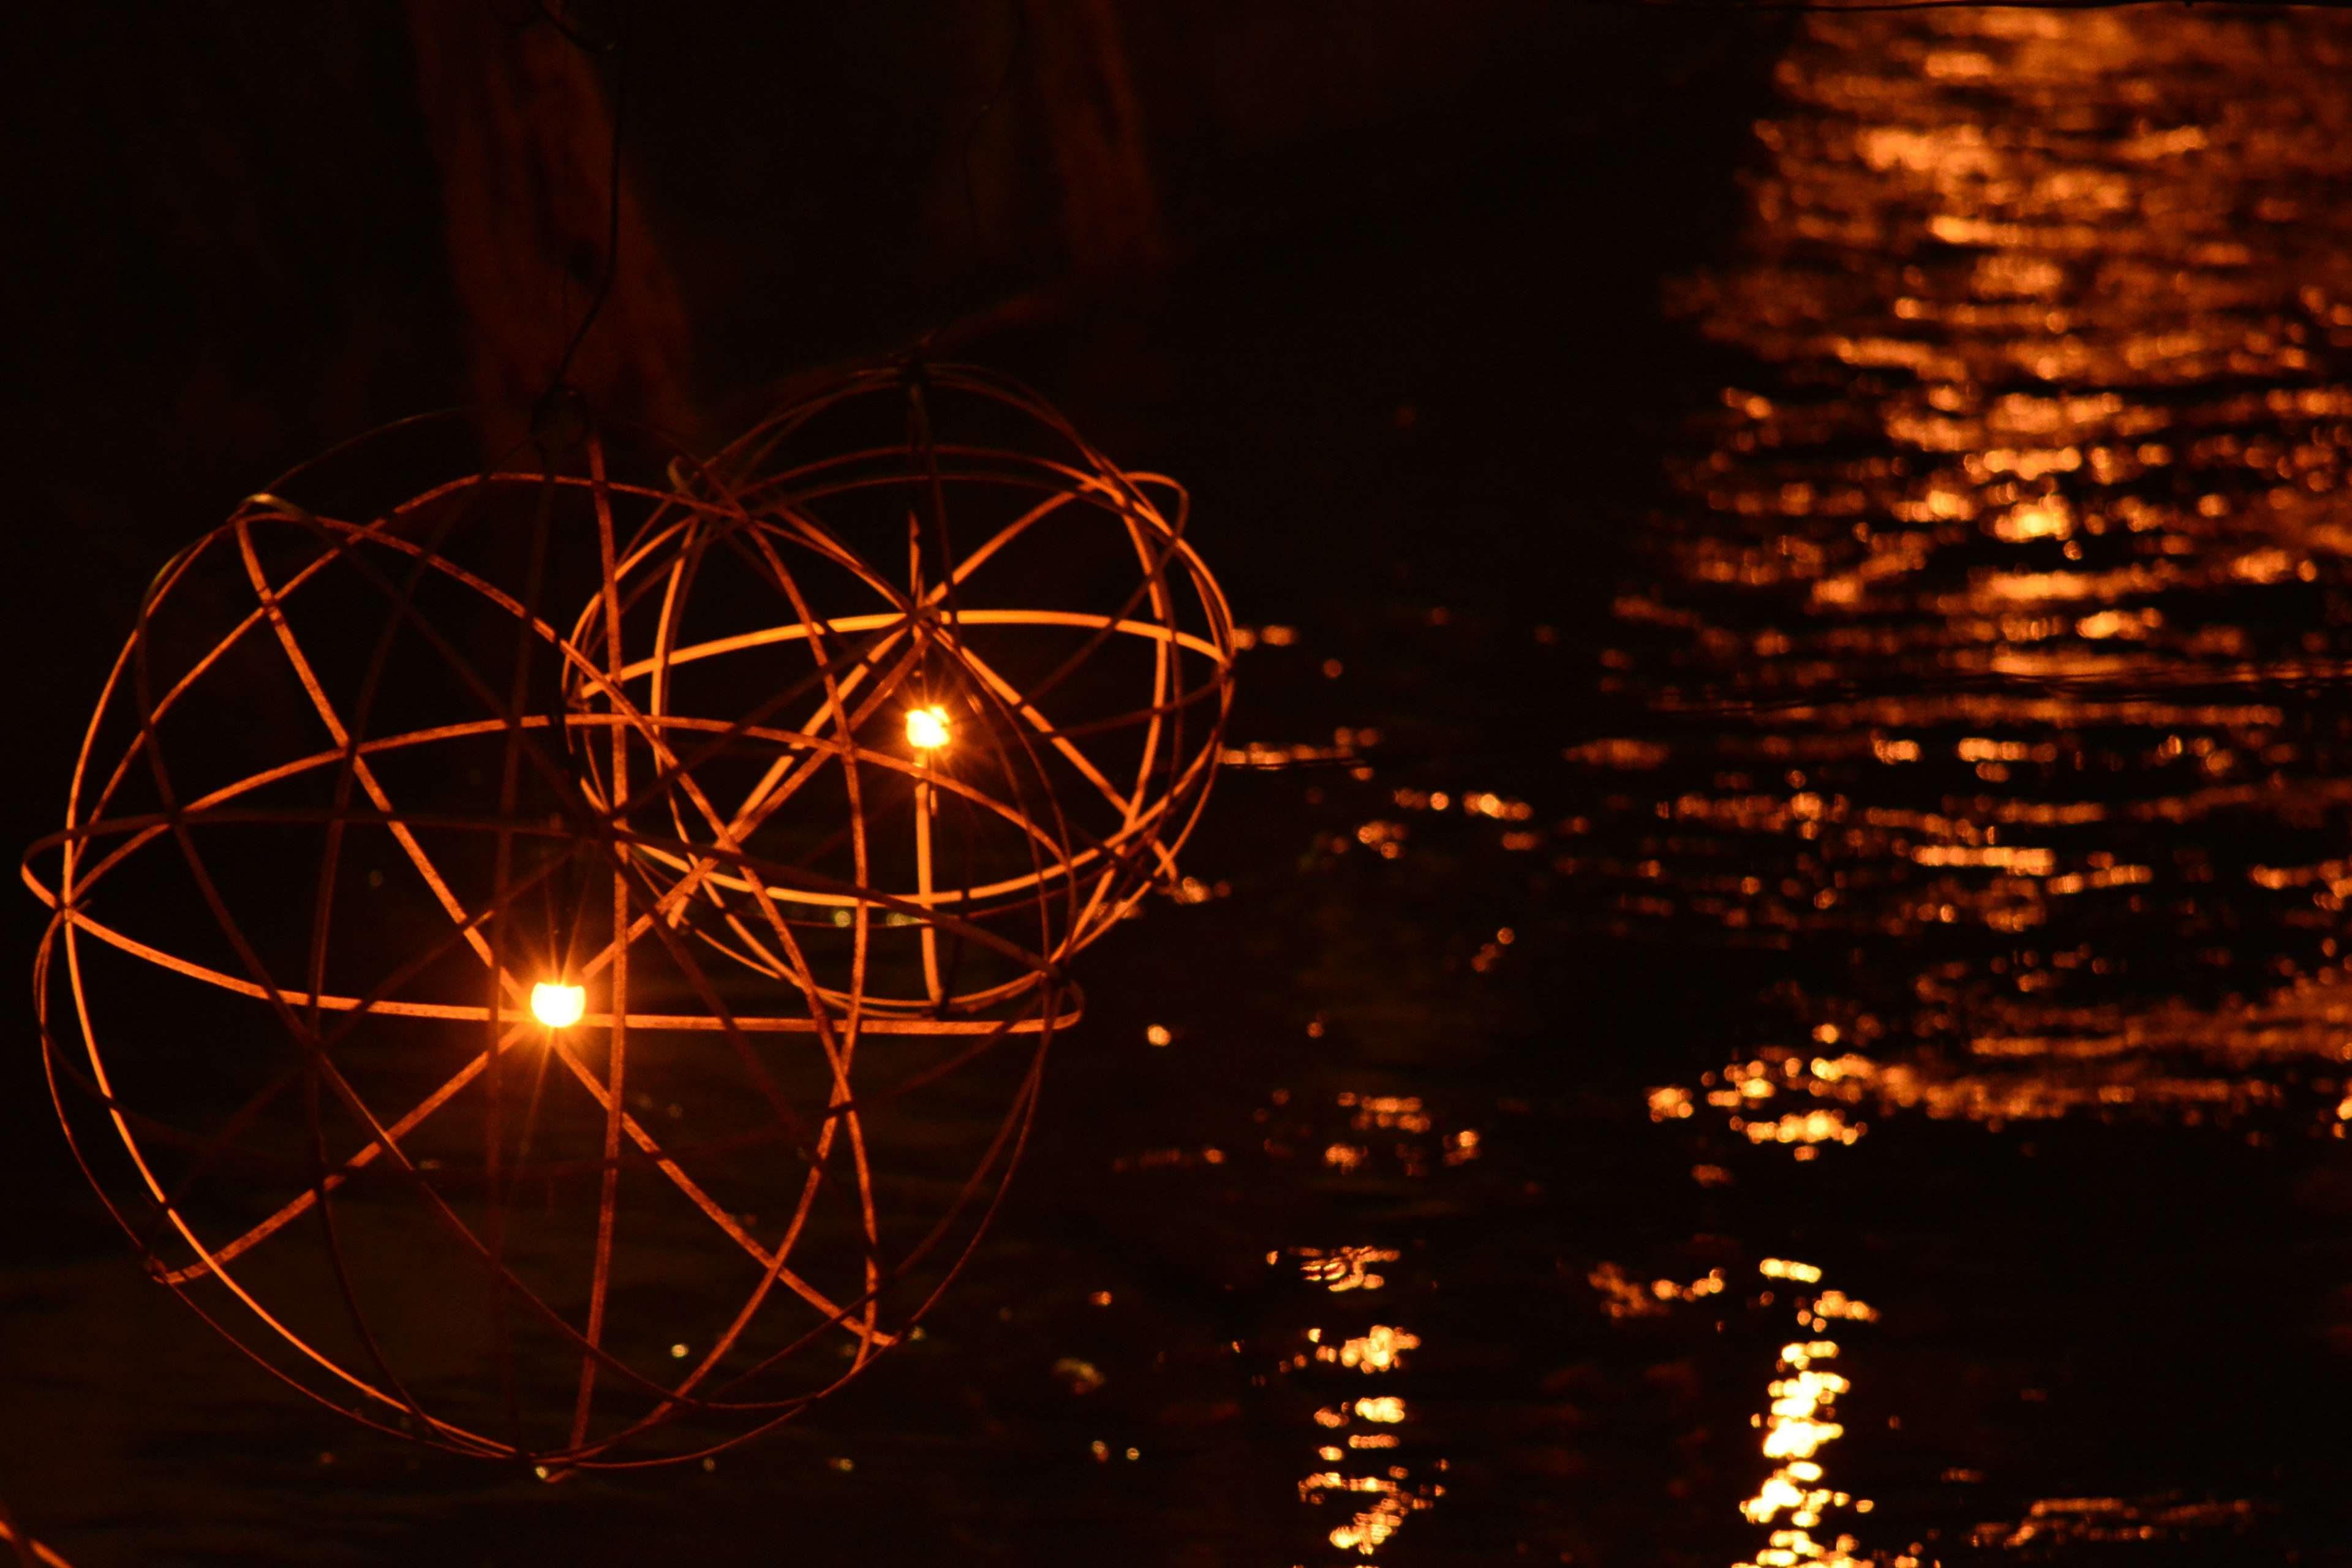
<point>1380,281</point>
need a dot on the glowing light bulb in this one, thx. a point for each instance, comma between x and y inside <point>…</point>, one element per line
<point>927,728</point>
<point>557,1006</point>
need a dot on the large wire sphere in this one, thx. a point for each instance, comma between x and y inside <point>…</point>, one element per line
<point>922,639</point>
<point>378,998</point>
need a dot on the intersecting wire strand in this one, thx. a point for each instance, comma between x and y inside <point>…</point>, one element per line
<point>339,541</point>
<point>349,758</point>
<point>147,729</point>
<point>1122,503</point>
<point>615,1117</point>
<point>1041,1042</point>
<point>26,1552</point>
<point>970,1188</point>
<point>615,1114</point>
<point>403,601</point>
<point>928,479</point>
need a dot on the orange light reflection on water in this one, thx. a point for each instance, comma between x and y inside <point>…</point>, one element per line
<point>2000,618</point>
<point>1394,1498</point>
<point>1368,1465</point>
<point>1797,1425</point>
<point>1991,666</point>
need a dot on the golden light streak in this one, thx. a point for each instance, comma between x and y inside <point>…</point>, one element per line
<point>1796,1427</point>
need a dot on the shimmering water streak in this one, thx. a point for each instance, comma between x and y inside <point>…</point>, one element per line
<point>1359,1440</point>
<point>2002,639</point>
<point>1798,1425</point>
<point>1367,1464</point>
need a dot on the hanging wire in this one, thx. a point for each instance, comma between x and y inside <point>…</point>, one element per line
<point>965,284</point>
<point>553,403</point>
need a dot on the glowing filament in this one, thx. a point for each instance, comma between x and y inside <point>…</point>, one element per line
<point>927,728</point>
<point>557,1006</point>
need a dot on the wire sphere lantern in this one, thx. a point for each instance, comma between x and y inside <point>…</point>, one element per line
<point>380,995</point>
<point>923,640</point>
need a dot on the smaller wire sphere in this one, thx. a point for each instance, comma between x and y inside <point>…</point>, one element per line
<point>365,1003</point>
<point>921,638</point>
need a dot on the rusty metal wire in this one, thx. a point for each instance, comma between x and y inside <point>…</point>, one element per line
<point>356,811</point>
<point>23,1550</point>
<point>931,540</point>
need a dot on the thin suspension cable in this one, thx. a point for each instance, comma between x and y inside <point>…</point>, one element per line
<point>963,301</point>
<point>618,48</point>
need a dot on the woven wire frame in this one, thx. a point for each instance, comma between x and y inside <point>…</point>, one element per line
<point>928,545</point>
<point>350,797</point>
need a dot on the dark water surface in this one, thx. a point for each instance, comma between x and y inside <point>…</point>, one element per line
<point>1821,1037</point>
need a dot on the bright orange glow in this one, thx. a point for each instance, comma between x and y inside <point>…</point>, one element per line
<point>1343,1267</point>
<point>1379,1351</point>
<point>1394,1496</point>
<point>1795,1430</point>
<point>556,1005</point>
<point>927,728</point>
